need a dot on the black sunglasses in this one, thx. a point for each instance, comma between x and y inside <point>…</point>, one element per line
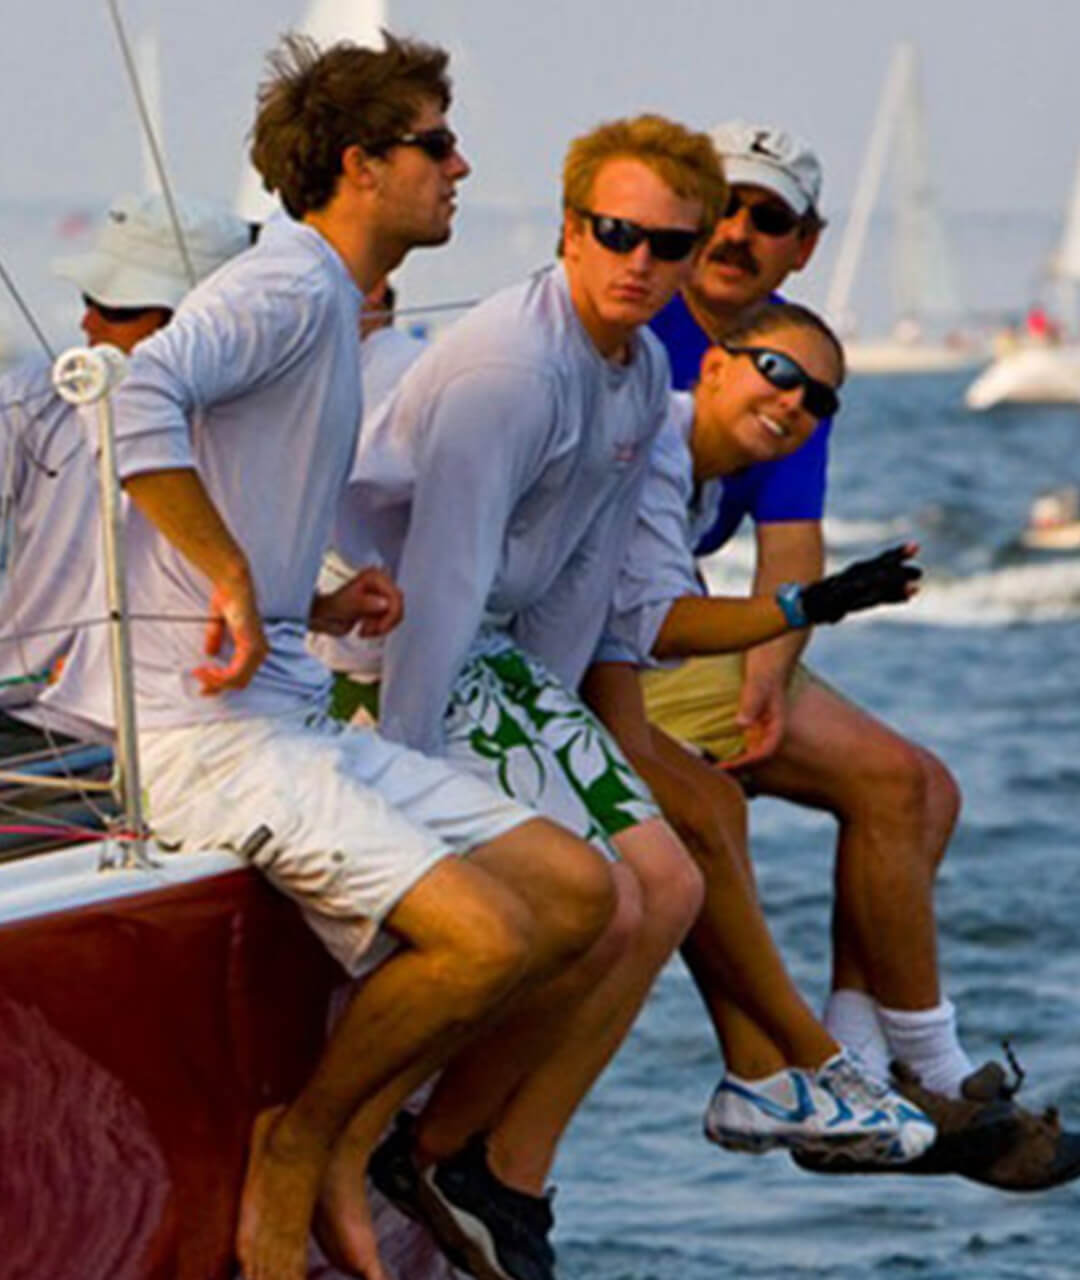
<point>620,235</point>
<point>818,398</point>
<point>119,315</point>
<point>770,217</point>
<point>440,144</point>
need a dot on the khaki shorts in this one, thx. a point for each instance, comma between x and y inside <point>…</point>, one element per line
<point>697,701</point>
<point>338,818</point>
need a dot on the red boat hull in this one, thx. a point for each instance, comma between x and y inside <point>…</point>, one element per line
<point>138,1038</point>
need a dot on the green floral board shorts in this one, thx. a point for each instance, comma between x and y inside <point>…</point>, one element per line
<point>512,723</point>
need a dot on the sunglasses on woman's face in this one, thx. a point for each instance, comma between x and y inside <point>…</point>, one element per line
<point>818,398</point>
<point>770,217</point>
<point>620,235</point>
<point>440,144</point>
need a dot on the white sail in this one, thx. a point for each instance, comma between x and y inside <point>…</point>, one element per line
<point>923,292</point>
<point>1067,259</point>
<point>838,305</point>
<point>923,283</point>
<point>362,22</point>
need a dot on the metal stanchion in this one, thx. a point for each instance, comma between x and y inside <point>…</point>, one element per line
<point>86,376</point>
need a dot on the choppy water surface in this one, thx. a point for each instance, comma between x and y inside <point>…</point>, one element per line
<point>984,669</point>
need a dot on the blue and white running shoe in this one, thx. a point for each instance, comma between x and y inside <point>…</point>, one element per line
<point>839,1107</point>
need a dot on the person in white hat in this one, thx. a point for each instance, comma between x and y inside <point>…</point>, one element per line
<point>783,732</point>
<point>131,281</point>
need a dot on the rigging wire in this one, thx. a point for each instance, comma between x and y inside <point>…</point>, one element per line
<point>25,311</point>
<point>151,137</point>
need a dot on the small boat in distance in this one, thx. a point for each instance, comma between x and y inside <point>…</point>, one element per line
<point>928,335</point>
<point>1054,521</point>
<point>1041,367</point>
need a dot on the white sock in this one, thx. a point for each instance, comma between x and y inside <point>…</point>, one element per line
<point>776,1085</point>
<point>851,1017</point>
<point>927,1042</point>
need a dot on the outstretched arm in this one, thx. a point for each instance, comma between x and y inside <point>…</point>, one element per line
<point>724,624</point>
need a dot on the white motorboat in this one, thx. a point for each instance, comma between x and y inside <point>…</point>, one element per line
<point>1032,373</point>
<point>925,299</point>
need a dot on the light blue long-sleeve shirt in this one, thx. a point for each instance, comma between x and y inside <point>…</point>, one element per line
<point>501,483</point>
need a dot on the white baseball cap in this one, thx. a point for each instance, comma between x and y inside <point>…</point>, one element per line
<point>761,155</point>
<point>137,261</point>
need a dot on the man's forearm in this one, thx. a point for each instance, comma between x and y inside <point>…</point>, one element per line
<point>177,504</point>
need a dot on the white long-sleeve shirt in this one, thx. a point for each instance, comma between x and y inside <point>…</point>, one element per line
<point>501,483</point>
<point>384,357</point>
<point>49,531</point>
<point>659,567</point>
<point>256,385</point>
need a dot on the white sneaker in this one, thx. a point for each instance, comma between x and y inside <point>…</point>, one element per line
<point>838,1107</point>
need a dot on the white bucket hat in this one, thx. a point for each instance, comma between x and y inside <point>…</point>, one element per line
<point>760,155</point>
<point>137,262</point>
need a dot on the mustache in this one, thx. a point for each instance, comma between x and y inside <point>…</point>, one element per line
<point>737,255</point>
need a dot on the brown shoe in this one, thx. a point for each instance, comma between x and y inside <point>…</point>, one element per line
<point>1041,1153</point>
<point>974,1131</point>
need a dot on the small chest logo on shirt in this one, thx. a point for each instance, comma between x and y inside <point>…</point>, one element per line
<point>624,452</point>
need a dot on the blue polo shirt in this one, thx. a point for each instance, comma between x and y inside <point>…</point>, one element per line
<point>791,488</point>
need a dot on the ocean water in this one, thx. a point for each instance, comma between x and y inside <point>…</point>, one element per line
<point>984,669</point>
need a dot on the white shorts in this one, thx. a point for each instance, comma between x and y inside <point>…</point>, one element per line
<point>340,819</point>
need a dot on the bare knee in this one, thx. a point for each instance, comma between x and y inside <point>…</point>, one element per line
<point>486,963</point>
<point>623,929</point>
<point>672,885</point>
<point>943,804</point>
<point>889,781</point>
<point>579,896</point>
<point>565,884</point>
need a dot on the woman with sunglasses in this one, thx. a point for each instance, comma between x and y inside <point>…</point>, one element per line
<point>760,396</point>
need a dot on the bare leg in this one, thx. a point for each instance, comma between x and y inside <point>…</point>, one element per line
<point>896,805</point>
<point>524,1097</point>
<point>760,1018</point>
<point>471,942</point>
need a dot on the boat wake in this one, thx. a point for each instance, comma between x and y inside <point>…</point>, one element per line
<point>1036,589</point>
<point>1045,592</point>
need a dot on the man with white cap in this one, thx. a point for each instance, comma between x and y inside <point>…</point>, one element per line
<point>139,269</point>
<point>786,733</point>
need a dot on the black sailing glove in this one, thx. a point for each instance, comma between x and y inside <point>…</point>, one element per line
<point>884,579</point>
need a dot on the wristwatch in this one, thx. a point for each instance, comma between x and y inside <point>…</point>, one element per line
<point>789,597</point>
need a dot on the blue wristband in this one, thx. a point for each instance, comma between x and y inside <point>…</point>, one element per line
<point>789,598</point>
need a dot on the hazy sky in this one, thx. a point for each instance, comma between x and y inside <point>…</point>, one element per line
<point>1000,79</point>
<point>1000,82</point>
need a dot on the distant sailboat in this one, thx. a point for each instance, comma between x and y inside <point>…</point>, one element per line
<point>1038,370</point>
<point>361,21</point>
<point>925,298</point>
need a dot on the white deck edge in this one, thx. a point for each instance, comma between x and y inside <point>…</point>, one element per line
<point>45,883</point>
